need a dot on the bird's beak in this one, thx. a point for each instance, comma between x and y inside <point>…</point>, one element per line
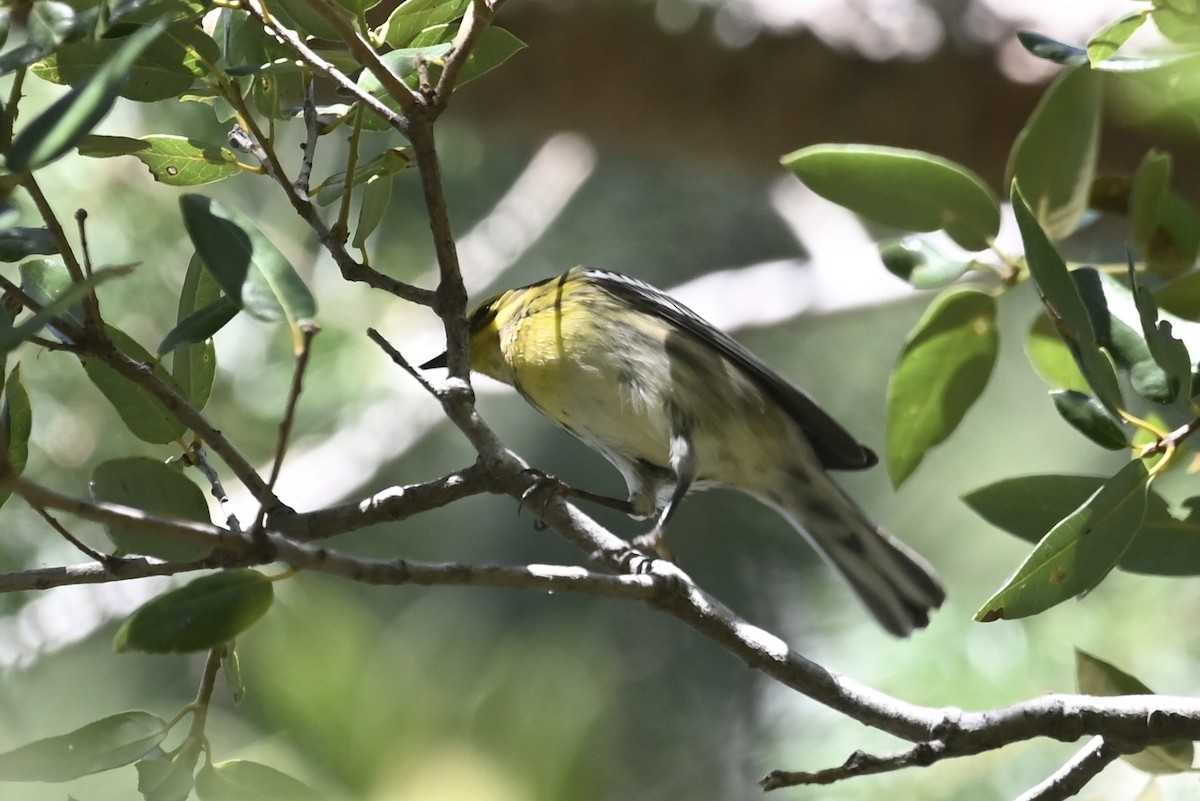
<point>436,361</point>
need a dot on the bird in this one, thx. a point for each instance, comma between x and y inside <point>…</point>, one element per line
<point>676,404</point>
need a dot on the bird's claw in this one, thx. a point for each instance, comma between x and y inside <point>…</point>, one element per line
<point>542,482</point>
<point>654,541</point>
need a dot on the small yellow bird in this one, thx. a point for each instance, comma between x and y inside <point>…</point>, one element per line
<point>676,404</point>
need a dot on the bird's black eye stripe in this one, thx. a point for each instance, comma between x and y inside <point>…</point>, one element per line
<point>483,315</point>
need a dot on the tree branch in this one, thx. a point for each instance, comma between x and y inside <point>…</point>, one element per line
<point>1068,780</point>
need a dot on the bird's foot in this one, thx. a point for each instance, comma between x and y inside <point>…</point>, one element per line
<point>654,541</point>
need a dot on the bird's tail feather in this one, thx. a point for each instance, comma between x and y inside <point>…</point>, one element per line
<point>896,584</point>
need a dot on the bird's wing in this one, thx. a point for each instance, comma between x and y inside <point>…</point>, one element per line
<point>836,447</point>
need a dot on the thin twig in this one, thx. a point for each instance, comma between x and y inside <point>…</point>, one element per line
<point>476,20</point>
<point>366,56</point>
<point>311,57</point>
<point>144,376</point>
<point>208,680</point>
<point>859,763</point>
<point>253,142</point>
<point>91,308</point>
<point>1068,780</point>
<point>311,133</point>
<point>81,225</point>
<point>308,330</point>
<point>402,362</point>
<point>80,546</point>
<point>197,457</point>
<point>10,111</point>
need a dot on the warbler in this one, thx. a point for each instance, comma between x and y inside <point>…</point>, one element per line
<point>675,404</point>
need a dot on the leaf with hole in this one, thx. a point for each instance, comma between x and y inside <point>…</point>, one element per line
<point>60,127</point>
<point>172,160</point>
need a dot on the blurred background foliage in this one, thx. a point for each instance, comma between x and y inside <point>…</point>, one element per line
<point>678,112</point>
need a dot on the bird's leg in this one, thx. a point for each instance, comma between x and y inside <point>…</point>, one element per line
<point>685,465</point>
<point>547,483</point>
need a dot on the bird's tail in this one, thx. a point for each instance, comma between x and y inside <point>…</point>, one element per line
<point>895,583</point>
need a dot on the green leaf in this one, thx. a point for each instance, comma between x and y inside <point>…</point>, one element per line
<point>299,16</point>
<point>102,745</point>
<point>914,260</point>
<point>1127,325</point>
<point>169,776</point>
<point>201,615</point>
<point>1150,186</point>
<point>242,780</point>
<point>172,160</point>
<point>167,68</point>
<point>16,421</point>
<point>494,47</point>
<point>1054,156</point>
<point>200,324</point>
<point>50,23</point>
<point>388,163</point>
<point>143,414</point>
<point>1162,224</point>
<point>65,304</point>
<point>203,310</point>
<point>19,243</point>
<point>1078,552</point>
<point>1105,43</point>
<point>944,367</point>
<point>1089,417</point>
<point>1051,357</point>
<point>1061,297</point>
<point>158,489</point>
<point>254,274</point>
<point>1181,297</point>
<point>1071,56</point>
<point>1029,506</point>
<point>377,194</point>
<point>71,117</point>
<point>1094,676</point>
<point>1168,352</point>
<point>413,16</point>
<point>906,189</point>
<point>1180,25</point>
<point>1166,545</point>
<point>1174,247</point>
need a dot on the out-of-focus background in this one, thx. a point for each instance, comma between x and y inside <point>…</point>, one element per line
<point>641,136</point>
